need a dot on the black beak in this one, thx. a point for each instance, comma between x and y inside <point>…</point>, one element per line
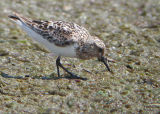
<point>105,61</point>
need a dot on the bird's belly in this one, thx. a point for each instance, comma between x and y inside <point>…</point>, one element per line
<point>68,51</point>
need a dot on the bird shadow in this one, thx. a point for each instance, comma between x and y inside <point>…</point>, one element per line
<point>43,77</point>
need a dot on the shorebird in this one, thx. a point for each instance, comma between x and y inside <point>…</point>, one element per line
<point>63,39</point>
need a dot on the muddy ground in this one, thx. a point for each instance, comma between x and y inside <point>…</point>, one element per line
<point>131,32</point>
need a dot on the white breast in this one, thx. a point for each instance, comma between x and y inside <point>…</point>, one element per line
<point>68,51</point>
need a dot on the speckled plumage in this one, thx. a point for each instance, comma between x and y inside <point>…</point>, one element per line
<point>63,34</point>
<point>63,39</point>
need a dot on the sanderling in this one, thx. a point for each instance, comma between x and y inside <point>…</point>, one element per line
<point>63,39</point>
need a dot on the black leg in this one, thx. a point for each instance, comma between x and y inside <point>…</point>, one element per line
<point>107,65</point>
<point>58,64</point>
<point>73,76</point>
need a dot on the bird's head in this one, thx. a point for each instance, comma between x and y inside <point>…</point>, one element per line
<point>100,49</point>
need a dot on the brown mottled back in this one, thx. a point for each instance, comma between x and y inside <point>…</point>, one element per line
<point>60,32</point>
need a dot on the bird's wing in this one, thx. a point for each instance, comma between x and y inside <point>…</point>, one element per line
<point>59,32</point>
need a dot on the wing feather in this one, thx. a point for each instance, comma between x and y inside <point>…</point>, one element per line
<point>59,32</point>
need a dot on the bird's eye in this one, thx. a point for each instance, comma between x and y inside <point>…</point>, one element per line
<point>100,50</point>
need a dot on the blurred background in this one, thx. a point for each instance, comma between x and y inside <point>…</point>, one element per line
<point>131,32</point>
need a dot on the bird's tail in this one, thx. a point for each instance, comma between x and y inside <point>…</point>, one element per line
<point>19,19</point>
